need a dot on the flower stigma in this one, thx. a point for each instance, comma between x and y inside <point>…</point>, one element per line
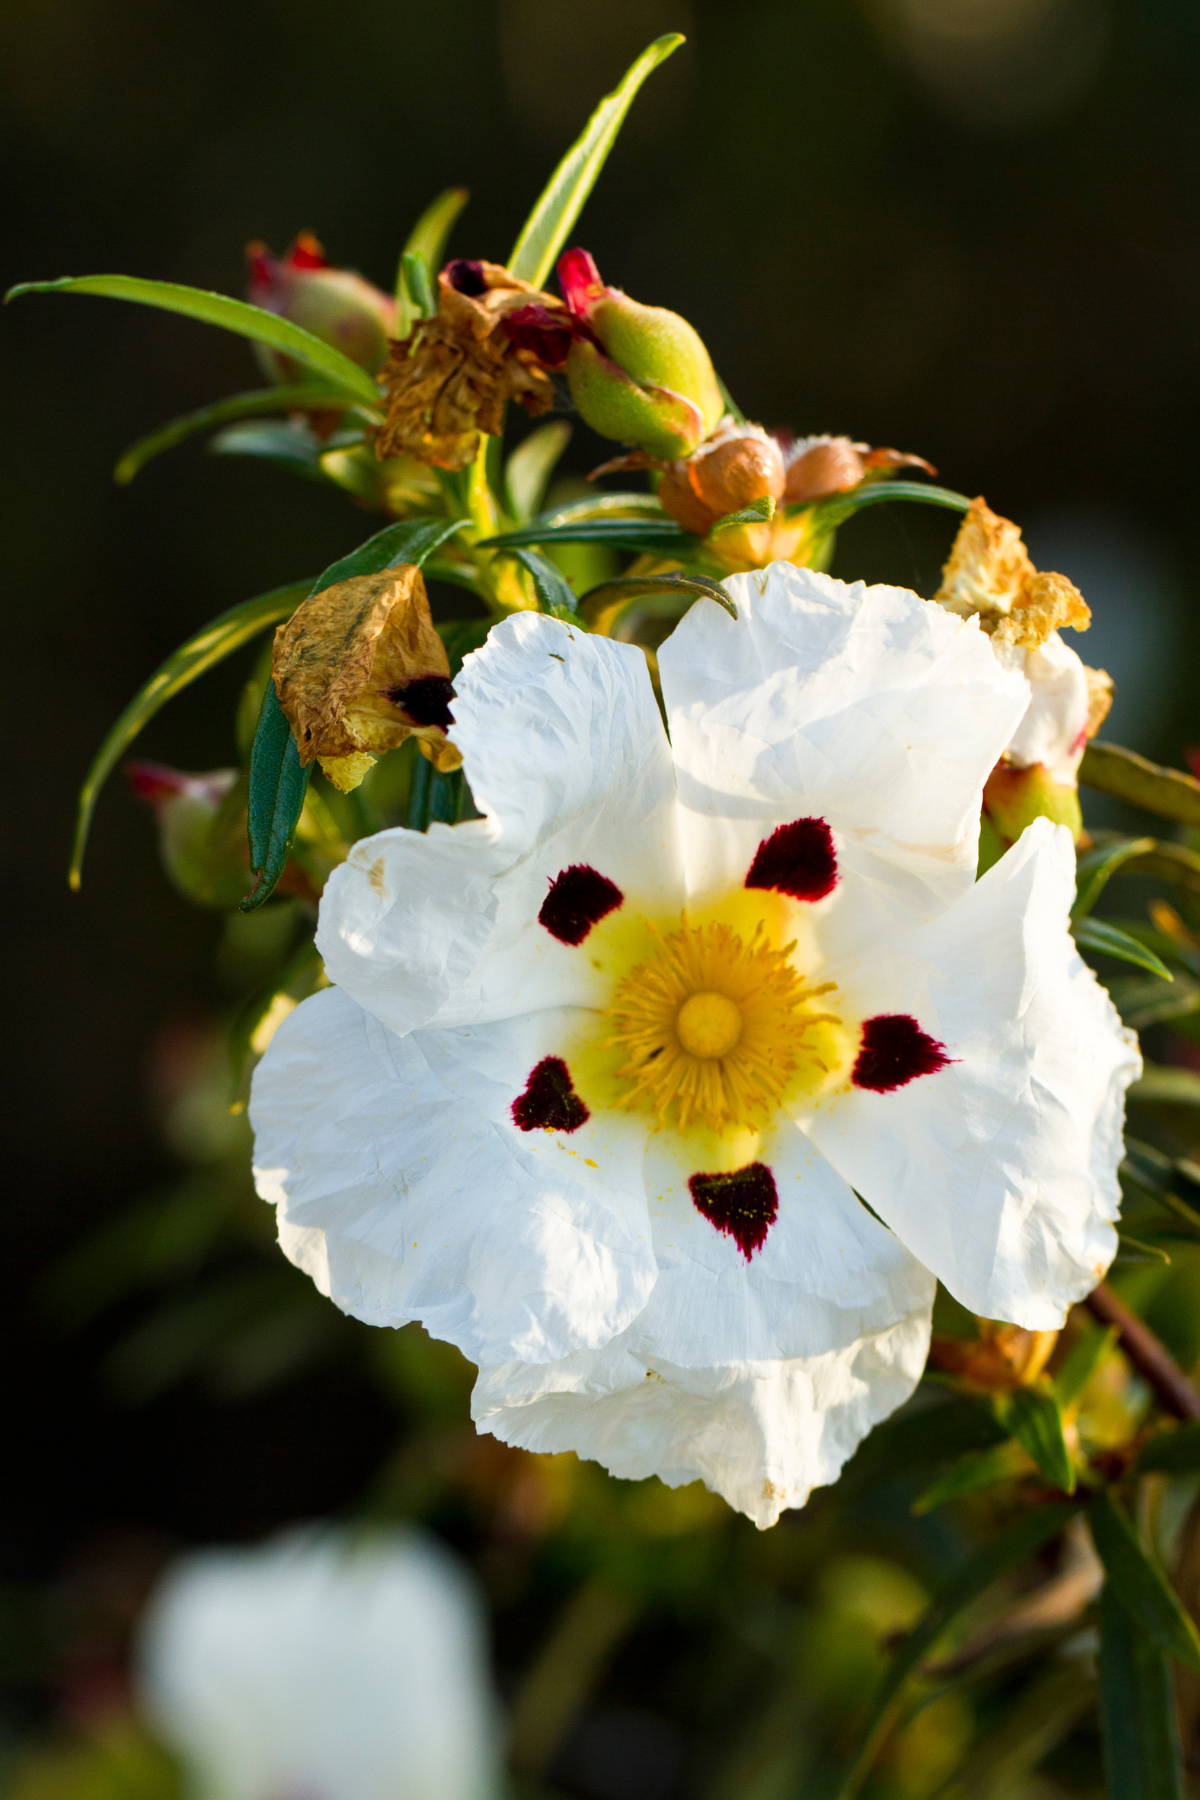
<point>713,1026</point>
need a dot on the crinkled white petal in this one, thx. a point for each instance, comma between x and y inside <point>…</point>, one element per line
<point>565,753</point>
<point>405,1190</point>
<point>324,1667</point>
<point>825,1275</point>
<point>761,1434</point>
<point>998,1171</point>
<point>864,706</point>
<point>1054,728</point>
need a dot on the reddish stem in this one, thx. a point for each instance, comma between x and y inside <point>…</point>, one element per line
<point>1149,1356</point>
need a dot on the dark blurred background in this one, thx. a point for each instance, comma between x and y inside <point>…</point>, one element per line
<point>968,228</point>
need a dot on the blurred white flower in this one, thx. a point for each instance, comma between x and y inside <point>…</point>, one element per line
<point>322,1667</point>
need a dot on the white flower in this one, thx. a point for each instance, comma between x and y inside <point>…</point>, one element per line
<point>322,1668</point>
<point>606,1071</point>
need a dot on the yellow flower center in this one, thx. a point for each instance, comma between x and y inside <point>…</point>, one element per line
<point>713,1026</point>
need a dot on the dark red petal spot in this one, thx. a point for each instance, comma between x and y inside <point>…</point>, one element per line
<point>578,899</point>
<point>426,700</point>
<point>467,277</point>
<point>545,334</point>
<point>895,1051</point>
<point>549,1102</point>
<point>798,859</point>
<point>743,1204</point>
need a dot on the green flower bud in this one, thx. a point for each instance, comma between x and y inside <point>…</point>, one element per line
<point>201,830</point>
<point>1013,798</point>
<point>639,374</point>
<point>334,304</point>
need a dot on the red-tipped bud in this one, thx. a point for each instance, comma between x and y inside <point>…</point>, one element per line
<point>336,305</point>
<point>201,832</point>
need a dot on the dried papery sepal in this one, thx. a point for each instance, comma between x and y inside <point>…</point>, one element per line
<point>990,575</point>
<point>1001,1358</point>
<point>451,378</point>
<point>359,668</point>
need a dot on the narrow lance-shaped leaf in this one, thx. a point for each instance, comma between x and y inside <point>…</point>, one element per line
<point>699,587</point>
<point>623,534</point>
<point>278,783</point>
<point>972,1473</point>
<point>1161,1084</point>
<point>828,514</point>
<point>411,541</point>
<point>1139,1586</point>
<point>545,231</point>
<point>209,646</point>
<point>1009,1548</point>
<point>1109,940</point>
<point>427,241</point>
<point>420,301</point>
<point>532,463</point>
<point>555,594</point>
<point>1137,1710</point>
<point>292,397</point>
<point>1033,1416</point>
<point>1123,773</point>
<point>220,309</point>
<point>1096,868</point>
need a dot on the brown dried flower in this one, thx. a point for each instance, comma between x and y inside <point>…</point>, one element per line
<point>359,668</point>
<point>990,575</point>
<point>450,378</point>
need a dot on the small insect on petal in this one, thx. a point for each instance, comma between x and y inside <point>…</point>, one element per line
<point>579,898</point>
<point>894,1052</point>
<point>549,1102</point>
<point>798,859</point>
<point>743,1204</point>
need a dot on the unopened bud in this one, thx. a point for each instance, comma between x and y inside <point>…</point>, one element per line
<point>1014,797</point>
<point>735,466</point>
<point>1000,1359</point>
<point>820,466</point>
<point>358,669</point>
<point>639,374</point>
<point>336,305</point>
<point>201,833</point>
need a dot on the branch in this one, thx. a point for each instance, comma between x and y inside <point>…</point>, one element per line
<point>1149,1356</point>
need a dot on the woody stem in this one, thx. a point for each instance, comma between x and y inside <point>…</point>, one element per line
<point>1149,1356</point>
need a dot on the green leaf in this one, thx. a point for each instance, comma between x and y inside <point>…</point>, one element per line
<point>288,443</point>
<point>1162,1085</point>
<point>757,513</point>
<point>1132,1249</point>
<point>1127,776</point>
<point>545,231</point>
<point>623,534</point>
<point>217,640</point>
<point>1082,1361</point>
<point>1006,1550</point>
<point>427,241</point>
<point>434,798</point>
<point>277,788</point>
<point>419,296</point>
<point>304,396</point>
<point>976,1470</point>
<point>1032,1415</point>
<point>531,465</point>
<point>460,637</point>
<point>1139,1586</point>
<point>1095,934</point>
<point>829,514</point>
<point>1171,1452</point>
<point>920,1438</point>
<point>1137,1710</point>
<point>411,541</point>
<point>555,594</point>
<point>1096,867</point>
<point>626,586</point>
<point>219,309</point>
<point>731,405</point>
<point>598,506</point>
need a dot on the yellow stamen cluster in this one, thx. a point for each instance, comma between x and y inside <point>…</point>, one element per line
<point>713,1026</point>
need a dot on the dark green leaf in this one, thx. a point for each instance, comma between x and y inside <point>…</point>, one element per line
<point>277,788</point>
<point>921,1438</point>
<point>1108,940</point>
<point>1138,1584</point>
<point>1096,867</point>
<point>304,396</point>
<point>434,798</point>
<point>1172,1452</point>
<point>757,513</point>
<point>623,534</point>
<point>412,541</point>
<point>700,587</point>
<point>555,595</point>
<point>1137,1710</point>
<point>288,443</point>
<point>829,514</point>
<point>545,231</point>
<point>1160,1084</point>
<point>1033,1417</point>
<point>209,646</point>
<point>976,1470</point>
<point>1111,770</point>
<point>232,315</point>
<point>460,637</point>
<point>531,465</point>
<point>1006,1550</point>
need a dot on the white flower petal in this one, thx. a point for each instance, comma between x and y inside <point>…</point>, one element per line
<point>863,706</point>
<point>999,1170</point>
<point>1054,729</point>
<point>565,752</point>
<point>761,1434</point>
<point>405,1189</point>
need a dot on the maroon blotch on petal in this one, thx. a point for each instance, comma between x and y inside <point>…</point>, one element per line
<point>468,277</point>
<point>798,859</point>
<point>549,1102</point>
<point>578,899</point>
<point>743,1204</point>
<point>894,1051</point>
<point>426,700</point>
